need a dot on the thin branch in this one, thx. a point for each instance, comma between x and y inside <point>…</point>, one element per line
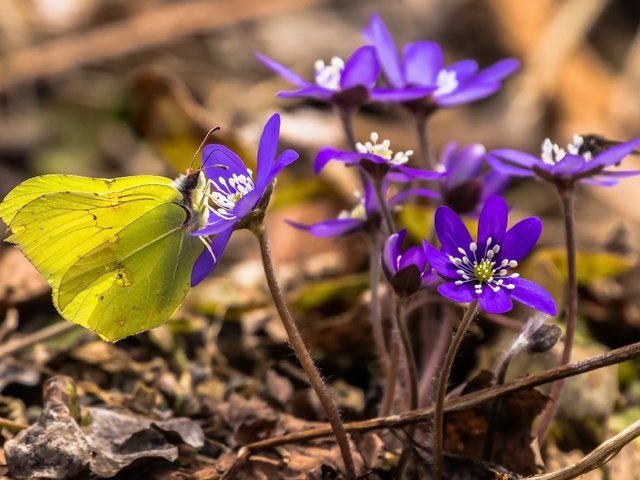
<point>15,345</point>
<point>150,29</point>
<point>597,457</point>
<point>461,403</point>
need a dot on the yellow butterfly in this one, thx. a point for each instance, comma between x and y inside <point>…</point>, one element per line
<point>117,253</point>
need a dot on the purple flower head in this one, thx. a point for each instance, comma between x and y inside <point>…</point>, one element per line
<point>482,269</point>
<point>467,185</point>
<point>579,162</point>
<point>407,272</point>
<point>377,159</point>
<point>348,84</point>
<point>234,194</point>
<point>421,68</point>
<point>363,216</point>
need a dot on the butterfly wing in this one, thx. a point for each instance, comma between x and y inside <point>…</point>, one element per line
<point>118,261</point>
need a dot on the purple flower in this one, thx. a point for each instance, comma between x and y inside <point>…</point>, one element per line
<point>233,193</point>
<point>349,83</point>
<point>364,215</point>
<point>466,186</point>
<point>422,68</point>
<point>377,159</point>
<point>482,269</point>
<point>407,272</point>
<point>565,167</point>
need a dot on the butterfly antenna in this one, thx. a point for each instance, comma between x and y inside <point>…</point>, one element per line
<point>208,247</point>
<point>206,137</point>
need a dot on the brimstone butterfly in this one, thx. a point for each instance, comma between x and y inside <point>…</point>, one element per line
<point>117,252</point>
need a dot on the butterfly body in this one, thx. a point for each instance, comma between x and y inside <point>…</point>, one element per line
<point>117,252</point>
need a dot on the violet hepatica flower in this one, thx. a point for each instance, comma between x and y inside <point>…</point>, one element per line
<point>233,193</point>
<point>363,216</point>
<point>564,167</point>
<point>377,159</point>
<point>407,271</point>
<point>422,67</point>
<point>349,83</point>
<point>483,269</point>
<point>468,182</point>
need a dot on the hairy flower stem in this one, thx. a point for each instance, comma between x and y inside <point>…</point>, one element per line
<point>346,118</point>
<point>391,380</point>
<point>423,141</point>
<point>567,195</point>
<point>376,317</point>
<point>438,414</point>
<point>407,352</point>
<point>388,226</point>
<point>303,355</point>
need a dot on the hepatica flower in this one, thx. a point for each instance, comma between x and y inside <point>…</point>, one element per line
<point>466,184</point>
<point>377,159</point>
<point>421,68</point>
<point>483,269</point>
<point>407,271</point>
<point>234,193</point>
<point>564,167</point>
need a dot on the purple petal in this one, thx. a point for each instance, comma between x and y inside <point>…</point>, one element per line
<point>309,92</point>
<point>330,228</point>
<point>464,164</point>
<point>400,94</point>
<point>440,261</point>
<point>508,161</point>
<point>569,165</point>
<point>391,250</point>
<point>219,161</point>
<point>412,192</point>
<point>215,226</point>
<point>615,154</point>
<point>494,183</point>
<point>494,302</point>
<point>452,233</point>
<point>470,92</point>
<point>447,154</point>
<point>362,68</point>
<point>413,256</point>
<point>283,71</point>
<point>520,239</point>
<point>247,203</point>
<point>532,295</point>
<point>498,70</point>
<point>378,34</point>
<point>422,63</point>
<point>620,173</point>
<point>205,263</point>
<point>268,148</point>
<point>284,159</point>
<point>464,69</point>
<point>418,173</point>
<point>492,222</point>
<point>458,293</point>
<point>326,154</point>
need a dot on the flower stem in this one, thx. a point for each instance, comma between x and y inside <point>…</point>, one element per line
<point>567,195</point>
<point>407,351</point>
<point>391,380</point>
<point>438,415</point>
<point>303,355</point>
<point>423,140</point>
<point>376,317</point>
<point>388,224</point>
<point>346,118</point>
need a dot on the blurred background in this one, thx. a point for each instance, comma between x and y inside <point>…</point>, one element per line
<point>114,87</point>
